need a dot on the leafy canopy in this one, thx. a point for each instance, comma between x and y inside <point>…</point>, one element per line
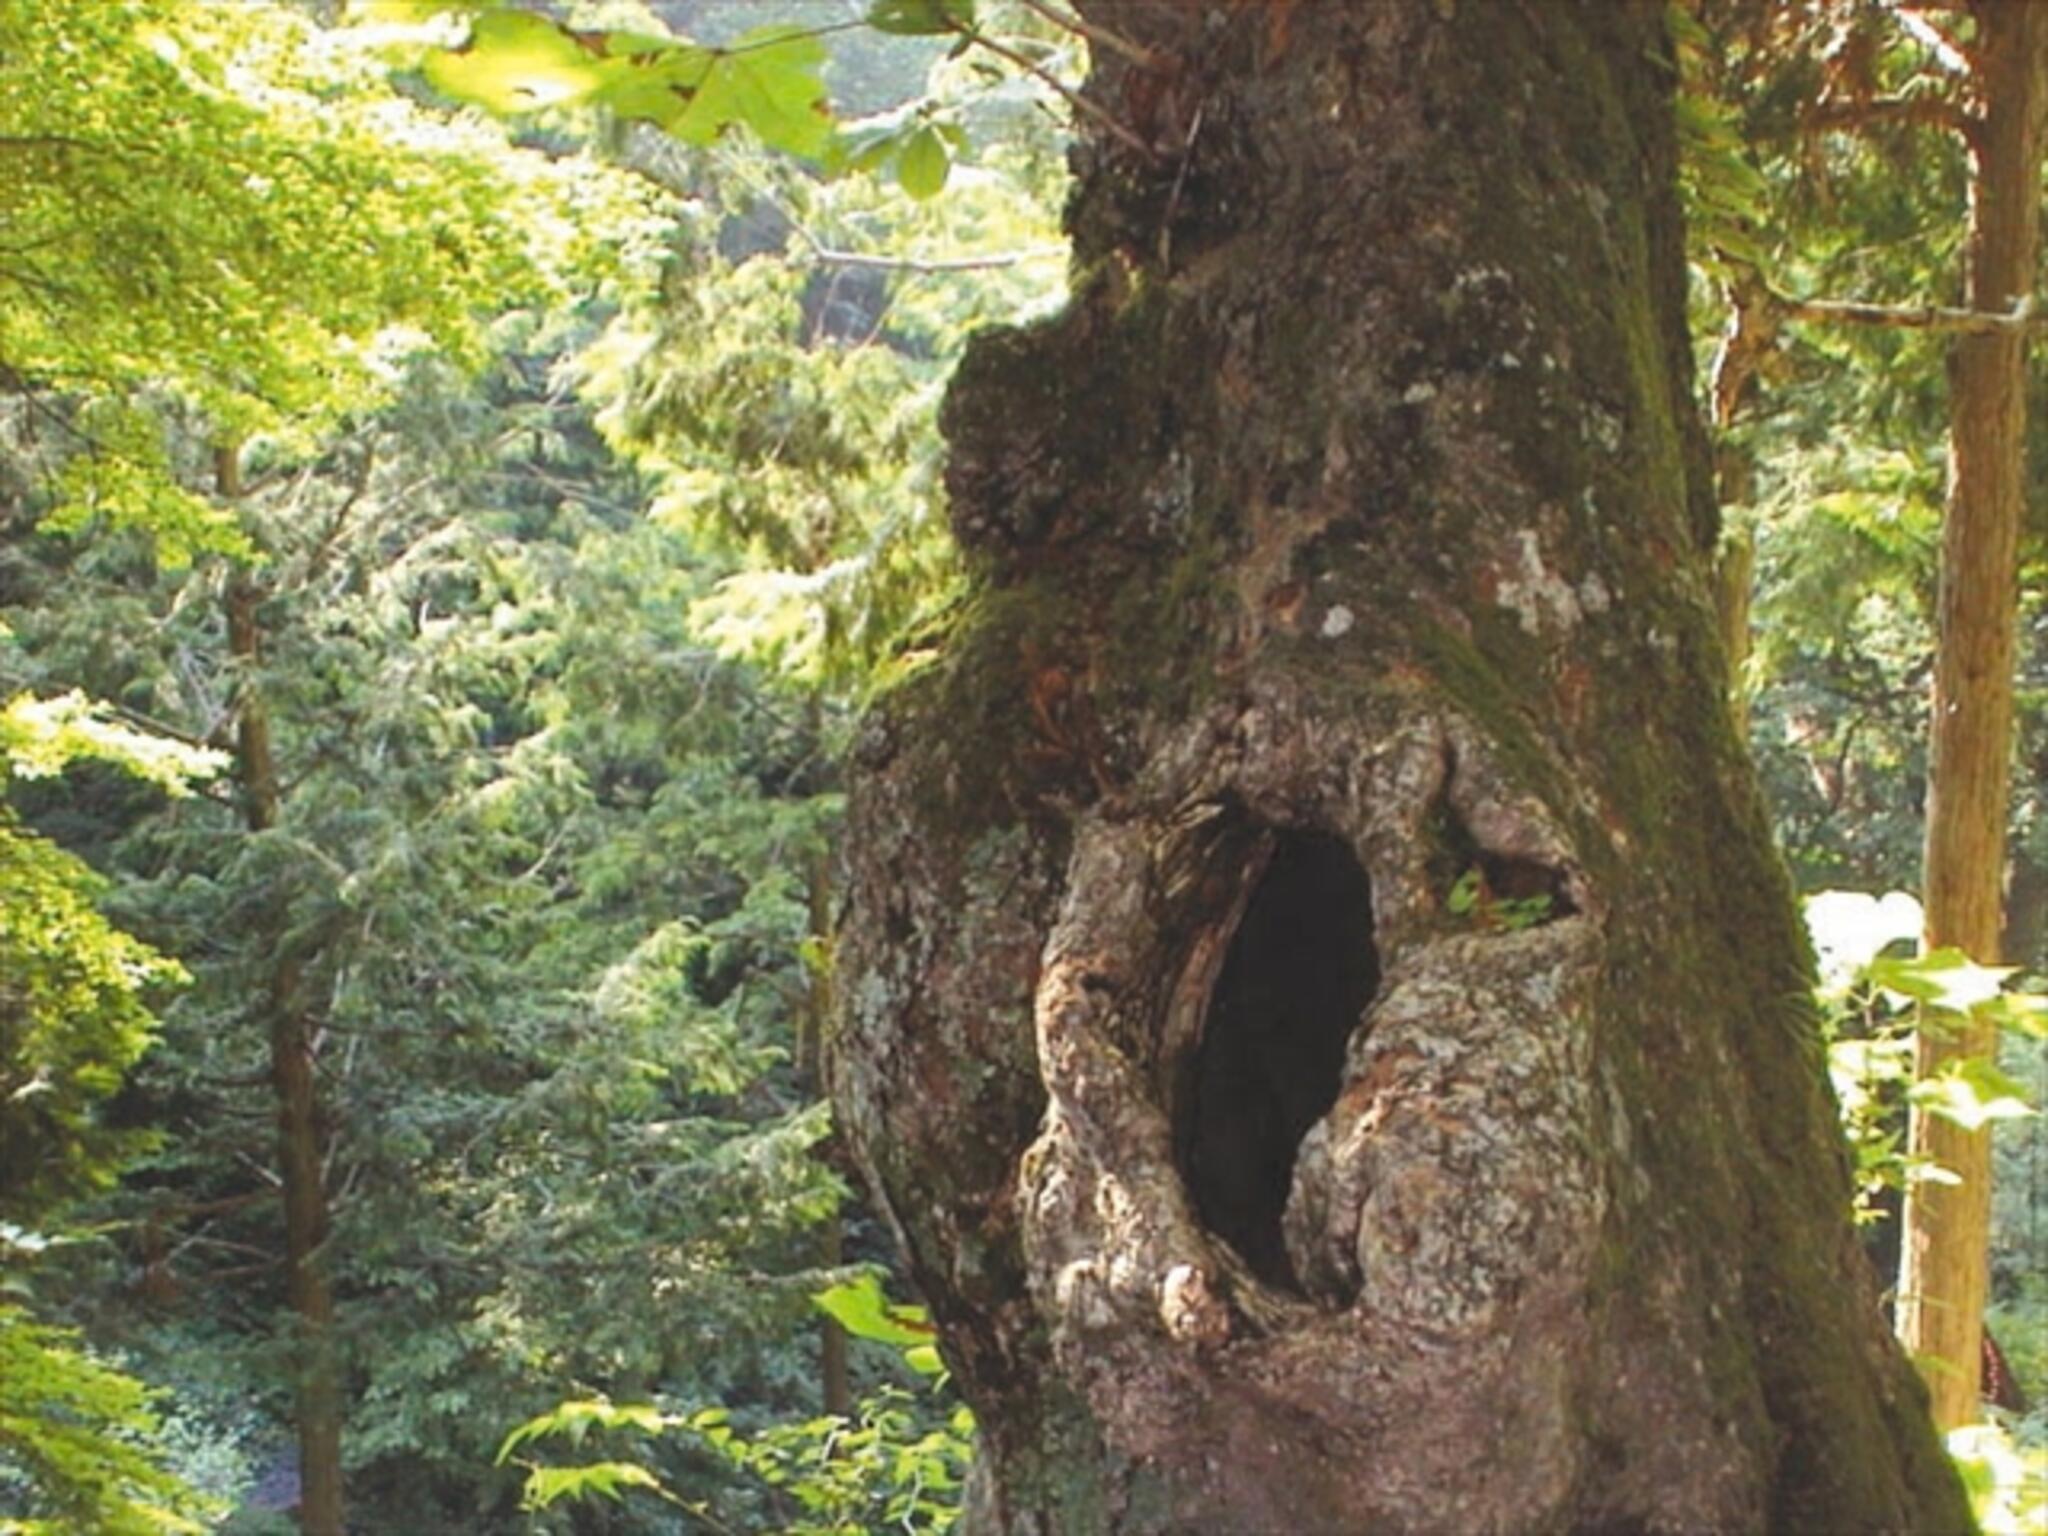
<point>222,210</point>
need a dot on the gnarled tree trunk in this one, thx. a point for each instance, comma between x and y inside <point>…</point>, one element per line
<point>1319,1003</point>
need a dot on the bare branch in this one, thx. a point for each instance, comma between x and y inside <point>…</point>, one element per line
<point>2022,318</point>
<point>826,256</point>
<point>1118,129</point>
<point>1886,111</point>
<point>1948,53</point>
<point>1116,42</point>
<point>1752,331</point>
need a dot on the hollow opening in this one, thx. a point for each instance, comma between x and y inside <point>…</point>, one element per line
<point>1299,972</point>
<point>1493,890</point>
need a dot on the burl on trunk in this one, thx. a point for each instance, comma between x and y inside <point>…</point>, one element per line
<point>1320,1007</point>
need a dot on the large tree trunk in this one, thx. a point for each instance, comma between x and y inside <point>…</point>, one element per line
<point>1944,1270</point>
<point>1344,546</point>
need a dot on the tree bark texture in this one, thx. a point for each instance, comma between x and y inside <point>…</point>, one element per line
<point>1944,1271</point>
<point>1318,1002</point>
<point>301,1136</point>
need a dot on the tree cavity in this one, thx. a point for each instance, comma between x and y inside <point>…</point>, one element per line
<point>1298,975</point>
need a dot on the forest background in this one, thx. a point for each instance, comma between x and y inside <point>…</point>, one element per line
<point>455,507</point>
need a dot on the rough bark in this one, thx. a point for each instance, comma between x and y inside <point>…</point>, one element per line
<point>301,1137</point>
<point>1944,1271</point>
<point>1347,544</point>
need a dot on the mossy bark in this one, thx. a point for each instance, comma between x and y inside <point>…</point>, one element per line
<point>1358,501</point>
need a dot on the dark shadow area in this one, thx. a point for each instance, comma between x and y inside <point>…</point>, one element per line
<point>1298,974</point>
<point>1536,888</point>
<point>1513,892</point>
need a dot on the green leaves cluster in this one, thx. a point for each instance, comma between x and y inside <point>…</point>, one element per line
<point>222,211</point>
<point>1470,898</point>
<point>1874,1003</point>
<point>543,872</point>
<point>73,1438</point>
<point>768,80</point>
<point>75,1433</point>
<point>545,868</point>
<point>897,1463</point>
<point>514,61</point>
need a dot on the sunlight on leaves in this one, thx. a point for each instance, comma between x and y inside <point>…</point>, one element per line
<point>1946,979</point>
<point>1971,1093</point>
<point>860,1307</point>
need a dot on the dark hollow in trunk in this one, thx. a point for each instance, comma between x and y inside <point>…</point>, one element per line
<point>1299,973</point>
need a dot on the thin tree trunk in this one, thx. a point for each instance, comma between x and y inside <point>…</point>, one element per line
<point>834,1382</point>
<point>1318,1003</point>
<point>1944,1266</point>
<point>1750,335</point>
<point>301,1136</point>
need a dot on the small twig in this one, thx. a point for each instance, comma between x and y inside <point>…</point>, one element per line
<point>826,256</point>
<point>267,1175</point>
<point>47,141</point>
<point>22,389</point>
<point>800,34</point>
<point>832,256</point>
<point>1116,42</point>
<point>1898,111</point>
<point>155,727</point>
<point>242,1271</point>
<point>1111,124</point>
<point>189,1210</point>
<point>229,1245</point>
<point>338,523</point>
<point>1180,180</point>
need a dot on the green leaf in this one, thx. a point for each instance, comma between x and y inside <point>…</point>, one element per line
<point>575,1419</point>
<point>768,80</point>
<point>1464,894</point>
<point>1971,1094</point>
<point>860,1307</point>
<point>1942,978</point>
<point>515,61</point>
<point>2026,1012</point>
<point>921,18</point>
<point>38,737</point>
<point>923,166</point>
<point>545,1485</point>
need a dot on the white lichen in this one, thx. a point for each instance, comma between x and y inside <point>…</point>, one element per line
<point>1538,597</point>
